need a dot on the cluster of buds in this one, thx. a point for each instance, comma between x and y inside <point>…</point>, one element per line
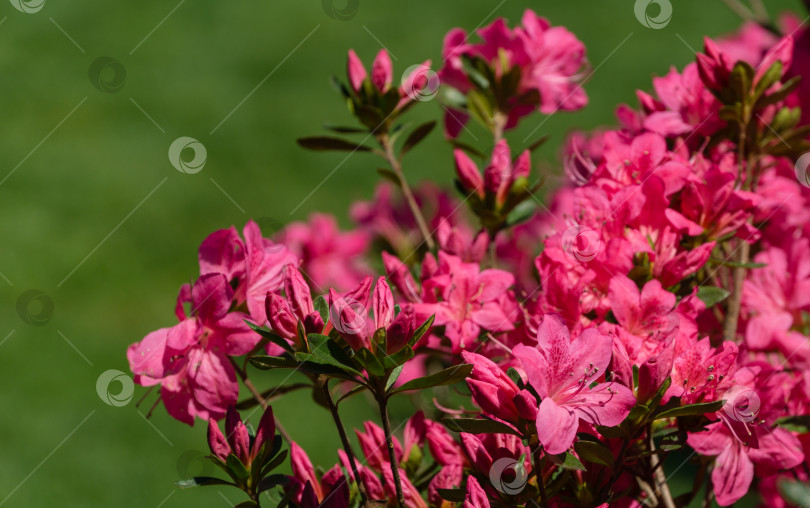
<point>496,194</point>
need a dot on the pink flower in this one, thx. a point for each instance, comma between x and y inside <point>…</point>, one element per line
<point>190,359</point>
<point>373,445</point>
<point>549,58</point>
<point>253,267</point>
<point>465,300</point>
<point>328,256</point>
<point>561,370</point>
<point>702,373</point>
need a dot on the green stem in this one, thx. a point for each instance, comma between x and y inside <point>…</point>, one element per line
<point>382,401</point>
<point>396,166</point>
<point>538,473</point>
<point>344,439</point>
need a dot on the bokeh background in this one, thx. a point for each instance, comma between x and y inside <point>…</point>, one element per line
<point>94,216</point>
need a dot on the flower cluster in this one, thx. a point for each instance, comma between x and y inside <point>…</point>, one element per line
<point>660,302</point>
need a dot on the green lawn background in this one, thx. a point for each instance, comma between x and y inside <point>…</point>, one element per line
<point>66,199</point>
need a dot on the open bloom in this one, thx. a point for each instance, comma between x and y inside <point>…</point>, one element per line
<point>190,359</point>
<point>562,370</point>
<point>466,299</point>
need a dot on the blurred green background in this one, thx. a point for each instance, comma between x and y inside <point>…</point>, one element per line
<point>78,164</point>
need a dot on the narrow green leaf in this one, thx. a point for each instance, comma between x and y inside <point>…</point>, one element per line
<point>265,362</point>
<point>201,481</point>
<point>343,129</point>
<point>796,492</point>
<point>568,461</point>
<point>322,307</point>
<point>416,136</point>
<point>691,410</point>
<point>452,495</point>
<point>478,426</point>
<point>274,480</point>
<point>421,331</point>
<point>594,451</point>
<point>326,143</point>
<point>271,336</point>
<point>712,295</point>
<point>448,376</point>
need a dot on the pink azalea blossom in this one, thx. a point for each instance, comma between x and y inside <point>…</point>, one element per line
<point>190,359</point>
<point>465,300</point>
<point>561,370</point>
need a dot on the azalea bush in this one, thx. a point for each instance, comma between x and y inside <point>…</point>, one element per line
<point>654,313</point>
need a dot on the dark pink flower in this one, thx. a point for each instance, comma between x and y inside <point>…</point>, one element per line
<point>562,370</point>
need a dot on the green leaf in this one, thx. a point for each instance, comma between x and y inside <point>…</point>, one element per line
<point>265,362</point>
<point>452,495</point>
<point>416,136</point>
<point>795,492</point>
<point>271,336</point>
<point>274,480</point>
<point>322,307</point>
<point>247,504</point>
<point>800,423</point>
<point>326,143</point>
<point>568,461</point>
<point>712,295</point>
<point>343,129</point>
<point>392,377</point>
<point>478,426</point>
<point>422,330</point>
<point>537,144</point>
<point>691,410</point>
<point>354,391</point>
<point>390,176</point>
<point>594,451</point>
<point>521,213</point>
<point>448,376</point>
<point>468,148</point>
<point>273,463</point>
<point>237,469</point>
<point>370,362</point>
<point>201,481</point>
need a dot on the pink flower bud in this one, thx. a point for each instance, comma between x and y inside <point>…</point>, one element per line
<point>282,321</point>
<point>216,441</point>
<point>265,433</point>
<point>382,305</point>
<point>298,292</point>
<point>238,436</point>
<point>382,72</point>
<point>401,330</point>
<point>357,71</point>
<point>400,277</point>
<point>653,372</point>
<point>476,497</point>
<point>349,319</point>
<point>468,174</point>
